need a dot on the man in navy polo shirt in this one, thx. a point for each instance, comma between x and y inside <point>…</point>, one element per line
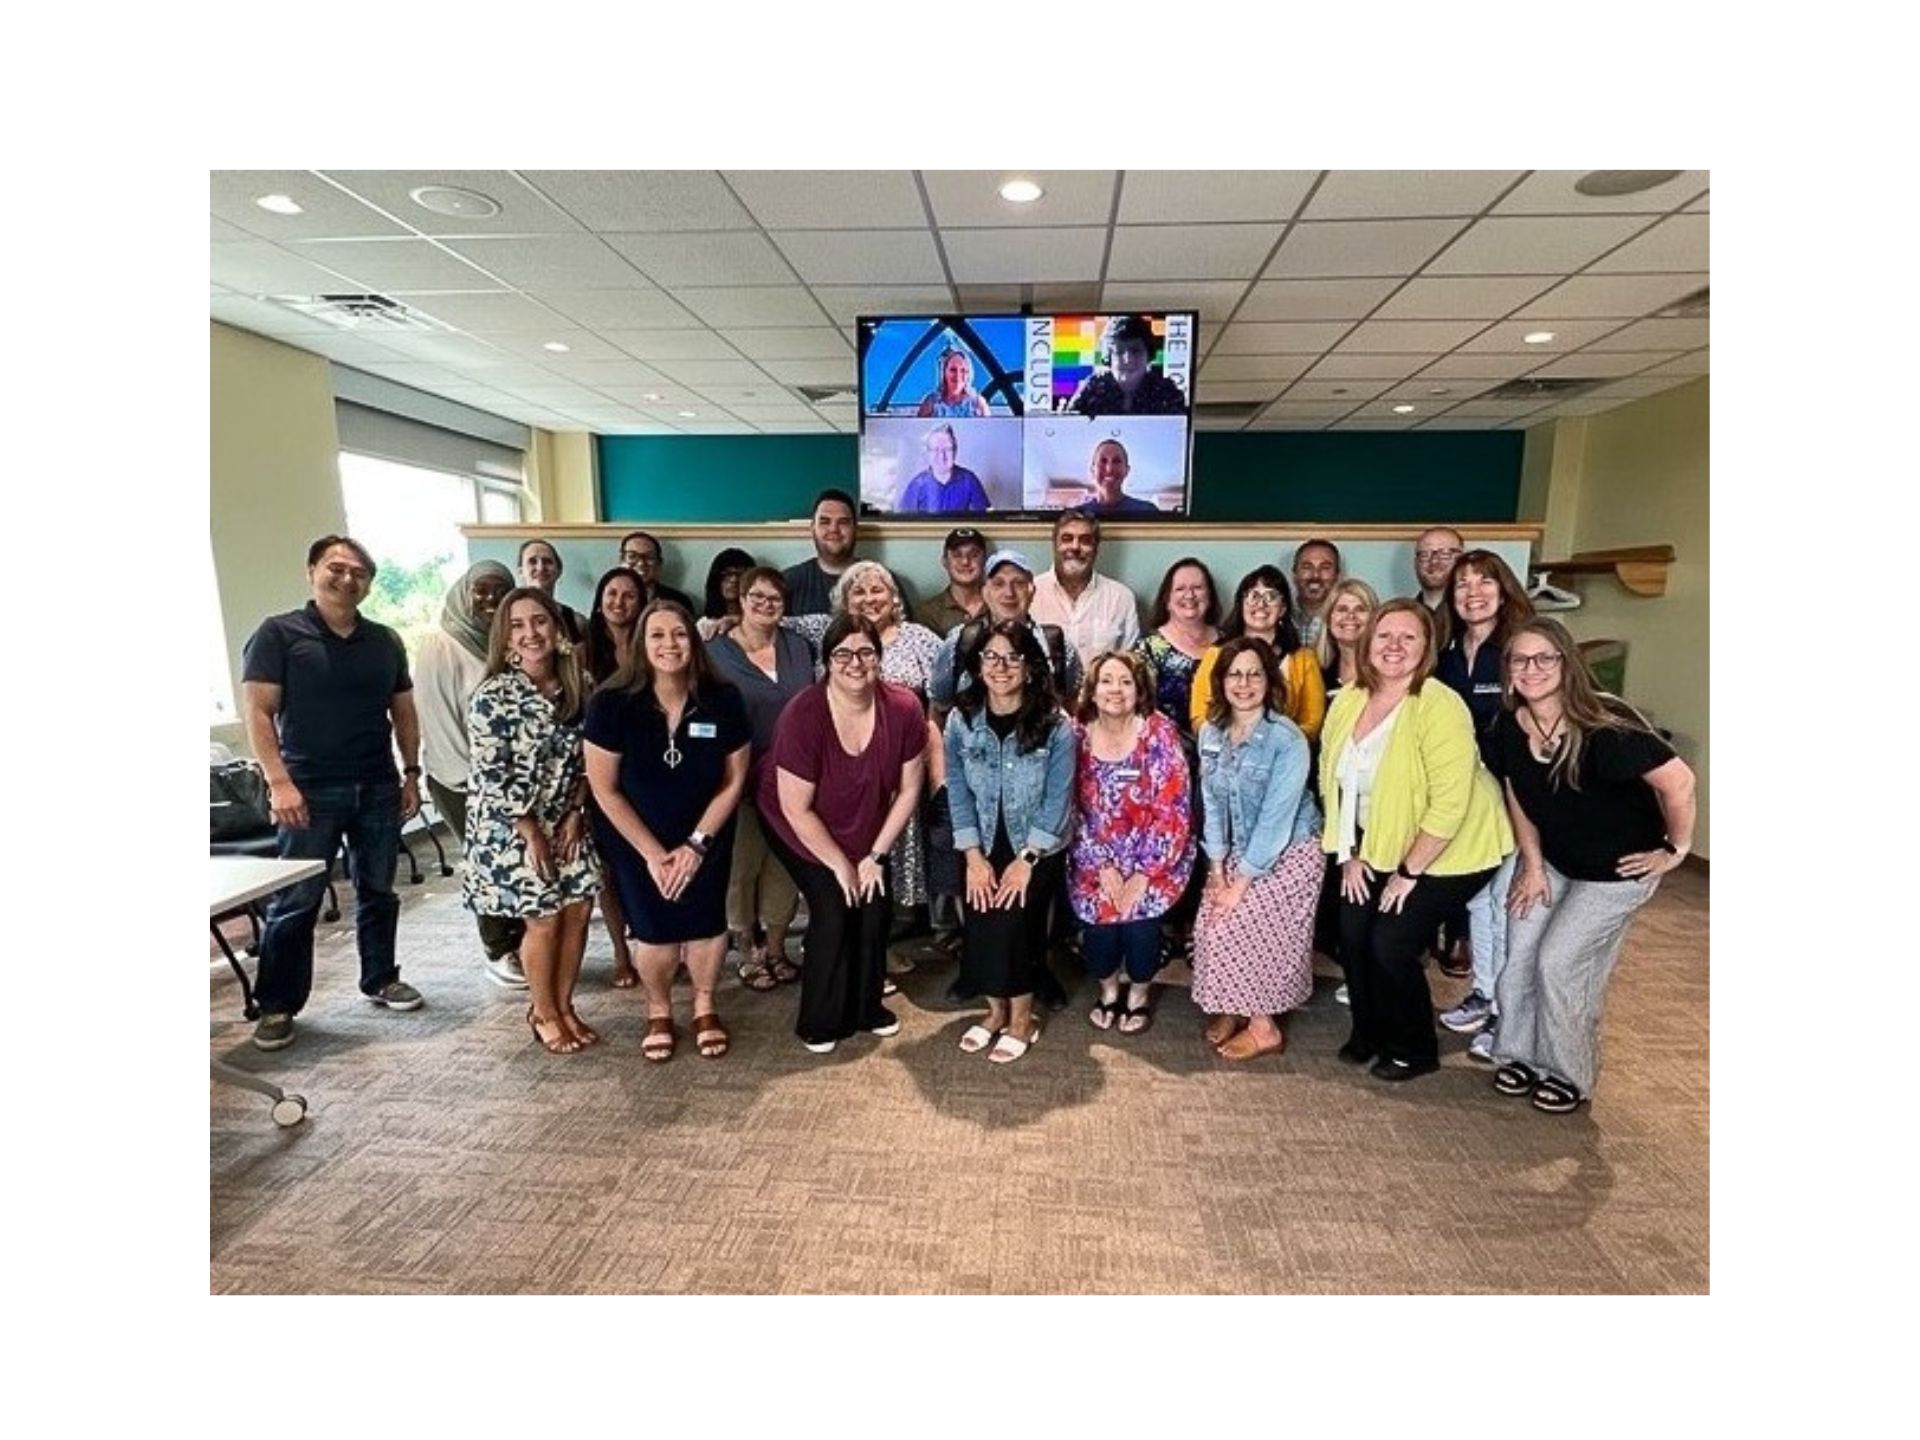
<point>326,694</point>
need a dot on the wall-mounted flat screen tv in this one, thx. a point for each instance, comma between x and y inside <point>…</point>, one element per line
<point>1027,413</point>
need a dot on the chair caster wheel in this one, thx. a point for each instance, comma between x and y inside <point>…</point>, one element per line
<point>289,1111</point>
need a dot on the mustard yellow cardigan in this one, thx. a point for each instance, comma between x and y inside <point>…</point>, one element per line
<point>1306,690</point>
<point>1430,779</point>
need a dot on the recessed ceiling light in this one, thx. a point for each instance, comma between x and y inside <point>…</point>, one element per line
<point>451,200</point>
<point>279,204</point>
<point>1538,337</point>
<point>1440,390</point>
<point>1622,182</point>
<point>688,414</point>
<point>652,395</point>
<point>1403,409</point>
<point>1020,192</point>
<point>556,347</point>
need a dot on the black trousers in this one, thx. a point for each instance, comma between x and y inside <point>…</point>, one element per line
<point>843,959</point>
<point>1384,957</point>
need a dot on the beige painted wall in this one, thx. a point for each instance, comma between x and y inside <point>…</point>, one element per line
<point>1642,479</point>
<point>274,481</point>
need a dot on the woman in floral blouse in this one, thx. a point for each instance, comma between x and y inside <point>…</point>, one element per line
<point>1133,852</point>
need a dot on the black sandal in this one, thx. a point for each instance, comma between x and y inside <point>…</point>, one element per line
<point>1513,1078</point>
<point>1557,1097</point>
<point>758,975</point>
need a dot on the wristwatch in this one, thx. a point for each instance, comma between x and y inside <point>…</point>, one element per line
<point>1404,873</point>
<point>699,842</point>
<point>1030,856</point>
<point>411,770</point>
<point>878,857</point>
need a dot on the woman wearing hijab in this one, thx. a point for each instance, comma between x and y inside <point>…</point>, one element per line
<point>450,666</point>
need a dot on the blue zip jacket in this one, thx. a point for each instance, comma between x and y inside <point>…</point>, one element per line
<point>1256,798</point>
<point>991,783</point>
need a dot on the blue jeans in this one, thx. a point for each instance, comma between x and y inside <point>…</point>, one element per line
<point>1134,944</point>
<point>368,816</point>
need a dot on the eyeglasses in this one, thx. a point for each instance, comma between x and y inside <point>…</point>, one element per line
<point>762,599</point>
<point>1246,677</point>
<point>1437,554</point>
<point>1543,662</point>
<point>636,559</point>
<point>1259,595</point>
<point>348,572</point>
<point>845,659</point>
<point>999,660</point>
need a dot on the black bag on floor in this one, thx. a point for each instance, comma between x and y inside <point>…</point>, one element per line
<point>237,801</point>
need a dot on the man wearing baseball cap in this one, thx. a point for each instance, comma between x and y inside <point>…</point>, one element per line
<point>963,558</point>
<point>1009,595</point>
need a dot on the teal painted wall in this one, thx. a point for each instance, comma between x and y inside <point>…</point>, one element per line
<point>1463,476</point>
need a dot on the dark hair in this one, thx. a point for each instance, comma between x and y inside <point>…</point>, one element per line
<point>1129,327</point>
<point>1039,711</point>
<point>1306,545</point>
<point>757,573</point>
<point>1217,707</point>
<point>834,492</point>
<point>1158,617</point>
<point>659,550</point>
<point>1515,606</point>
<point>637,674</point>
<point>601,647</point>
<point>1137,667</point>
<point>839,628</point>
<point>559,565</point>
<point>1286,635</point>
<point>1369,678</point>
<point>566,656</point>
<point>327,542</point>
<point>731,558</point>
<point>1083,513</point>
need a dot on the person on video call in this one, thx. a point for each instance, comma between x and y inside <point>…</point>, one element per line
<point>943,487</point>
<point>1107,470</point>
<point>1129,385</point>
<point>954,398</point>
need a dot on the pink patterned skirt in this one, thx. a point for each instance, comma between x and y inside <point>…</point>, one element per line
<point>1258,960</point>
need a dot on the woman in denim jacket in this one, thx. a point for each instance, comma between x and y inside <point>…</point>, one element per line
<point>1010,755</point>
<point>1253,938</point>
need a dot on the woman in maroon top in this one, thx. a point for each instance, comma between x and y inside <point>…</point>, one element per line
<point>841,783</point>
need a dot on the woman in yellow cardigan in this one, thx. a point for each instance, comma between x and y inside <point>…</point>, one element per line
<point>1417,826</point>
<point>1263,608</point>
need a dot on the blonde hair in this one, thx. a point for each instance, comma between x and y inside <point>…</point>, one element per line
<point>1584,706</point>
<point>566,655</point>
<point>861,570</point>
<point>1326,649</point>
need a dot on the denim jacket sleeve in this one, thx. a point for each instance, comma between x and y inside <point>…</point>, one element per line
<point>960,800</point>
<point>1213,796</point>
<point>1047,830</point>
<point>1280,803</point>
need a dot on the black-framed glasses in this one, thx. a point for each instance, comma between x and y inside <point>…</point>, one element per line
<point>1544,662</point>
<point>998,660</point>
<point>765,599</point>
<point>1438,554</point>
<point>845,659</point>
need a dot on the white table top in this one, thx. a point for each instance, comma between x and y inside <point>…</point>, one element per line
<point>240,879</point>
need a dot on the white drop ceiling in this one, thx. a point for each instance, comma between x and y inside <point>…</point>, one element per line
<point>1326,297</point>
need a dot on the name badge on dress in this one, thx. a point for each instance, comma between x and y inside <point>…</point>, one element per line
<point>702,730</point>
<point>1132,772</point>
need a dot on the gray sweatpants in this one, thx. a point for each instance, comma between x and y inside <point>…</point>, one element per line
<point>1553,987</point>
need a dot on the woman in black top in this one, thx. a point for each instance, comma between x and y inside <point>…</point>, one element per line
<point>613,629</point>
<point>1601,808</point>
<point>667,749</point>
<point>723,586</point>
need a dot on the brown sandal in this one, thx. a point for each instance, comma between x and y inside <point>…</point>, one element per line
<point>1244,1047</point>
<point>1222,1028</point>
<point>710,1036</point>
<point>658,1042</point>
<point>562,1044</point>
<point>582,1031</point>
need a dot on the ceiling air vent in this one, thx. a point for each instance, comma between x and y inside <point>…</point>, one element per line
<point>1687,307</point>
<point>1529,389</point>
<point>378,314</point>
<point>826,394</point>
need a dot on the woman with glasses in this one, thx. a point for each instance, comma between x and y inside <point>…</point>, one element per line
<point>667,752</point>
<point>723,589</point>
<point>1417,825</point>
<point>1487,605</point>
<point>769,665</point>
<point>1010,755</point>
<point>1602,808</point>
<point>1253,938</point>
<point>840,785</point>
<point>1263,609</point>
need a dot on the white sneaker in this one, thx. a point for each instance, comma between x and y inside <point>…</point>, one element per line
<point>505,971</point>
<point>1341,996</point>
<point>820,1047</point>
<point>1482,1047</point>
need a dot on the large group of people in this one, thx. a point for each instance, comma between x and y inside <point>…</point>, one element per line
<point>1017,761</point>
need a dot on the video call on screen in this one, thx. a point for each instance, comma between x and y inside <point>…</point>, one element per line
<point>978,413</point>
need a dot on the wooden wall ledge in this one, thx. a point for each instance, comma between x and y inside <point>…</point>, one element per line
<point>1642,569</point>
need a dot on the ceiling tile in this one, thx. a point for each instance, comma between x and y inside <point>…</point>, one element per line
<point>1253,367</point>
<point>606,375</point>
<point>581,345</point>
<point>1280,337</point>
<point>755,414</point>
<point>1377,417</point>
<point>396,265</point>
<point>809,425</point>
<point>671,344</point>
<point>1389,194</point>
<point>1408,337</point>
<point>1694,364</point>
<point>1328,392</point>
<point>1657,335</point>
<point>762,308</point>
<point>846,303</point>
<point>1428,391</point>
<point>819,343</point>
<point>550,262</point>
<point>1075,297</point>
<point>1551,192</point>
<point>1345,248</point>
<point>1592,364</point>
<point>1509,337</point>
<point>1639,386</point>
<point>1023,257</point>
<point>991,299</point>
<point>264,317</point>
<point>324,210</point>
<point>497,312</point>
<point>1214,299</point>
<point>663,394</point>
<point>1477,365</point>
<point>1460,298</point>
<point>812,372</point>
<point>1625,297</point>
<point>604,310</point>
<point>255,267</point>
<point>739,257</point>
<point>642,427</point>
<point>1679,243</point>
<point>972,197</point>
<point>221,230</point>
<point>1533,245</point>
<point>523,210</point>
<point>731,396</point>
<point>350,349</point>
<point>1199,196</point>
<point>862,257</point>
<point>713,372</point>
<point>1699,206</point>
<point>1314,299</point>
<point>829,199</point>
<point>1455,422</point>
<point>1239,391</point>
<point>1190,252</point>
<point>1494,409</point>
<point>454,350</point>
<point>1366,367</point>
<point>607,200</point>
